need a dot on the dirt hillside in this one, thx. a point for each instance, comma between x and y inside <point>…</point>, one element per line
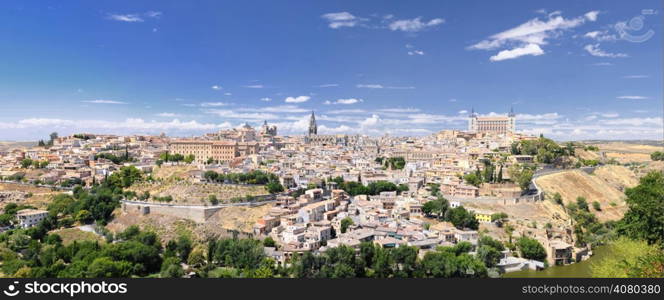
<point>605,186</point>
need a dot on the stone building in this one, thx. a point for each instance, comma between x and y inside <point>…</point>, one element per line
<point>492,124</point>
<point>217,150</point>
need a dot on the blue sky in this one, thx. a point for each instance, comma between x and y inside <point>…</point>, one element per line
<point>571,69</point>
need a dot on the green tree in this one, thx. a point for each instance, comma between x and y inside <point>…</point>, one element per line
<point>105,267</point>
<point>558,199</point>
<point>213,199</point>
<point>269,242</point>
<point>645,218</point>
<point>629,258</point>
<point>436,207</point>
<point>345,222</point>
<point>461,218</point>
<point>657,155</point>
<point>84,216</point>
<point>473,179</point>
<point>582,203</point>
<point>531,249</point>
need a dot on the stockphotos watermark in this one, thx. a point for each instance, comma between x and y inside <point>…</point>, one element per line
<point>70,288</point>
<point>633,31</point>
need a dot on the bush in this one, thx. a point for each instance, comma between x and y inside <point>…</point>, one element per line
<point>531,249</point>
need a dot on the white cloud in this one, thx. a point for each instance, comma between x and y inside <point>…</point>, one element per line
<point>610,115</point>
<point>463,112</point>
<point>153,14</point>
<point>416,52</point>
<point>275,109</point>
<point>132,124</point>
<point>380,86</point>
<point>102,101</point>
<point>592,15</point>
<point>635,76</point>
<point>344,101</point>
<point>529,37</point>
<point>166,115</point>
<point>298,99</point>
<point>594,50</point>
<point>133,18</point>
<point>216,87</point>
<point>347,111</point>
<point>600,36</point>
<point>254,86</point>
<point>227,94</point>
<point>371,121</point>
<point>243,116</point>
<point>341,19</point>
<point>328,85</point>
<point>530,49</point>
<point>370,86</point>
<point>414,25</point>
<point>400,110</point>
<point>632,97</point>
<point>213,104</point>
<point>266,99</point>
<point>130,18</point>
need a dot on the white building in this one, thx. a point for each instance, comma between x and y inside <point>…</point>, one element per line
<point>30,217</point>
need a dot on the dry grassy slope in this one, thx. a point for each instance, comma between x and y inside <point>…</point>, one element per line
<point>184,192</point>
<point>167,227</point>
<point>604,186</point>
<point>41,197</point>
<point>626,153</point>
<point>587,155</point>
<point>179,171</point>
<point>239,217</point>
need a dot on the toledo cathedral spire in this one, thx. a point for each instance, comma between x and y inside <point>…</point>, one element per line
<point>313,128</point>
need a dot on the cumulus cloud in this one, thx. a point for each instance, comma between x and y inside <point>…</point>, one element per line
<point>530,49</point>
<point>328,85</point>
<point>592,15</point>
<point>254,86</point>
<point>298,99</point>
<point>216,87</point>
<point>414,25</point>
<point>266,99</point>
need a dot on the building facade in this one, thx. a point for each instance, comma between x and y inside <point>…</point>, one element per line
<point>216,150</point>
<point>30,217</point>
<point>492,124</point>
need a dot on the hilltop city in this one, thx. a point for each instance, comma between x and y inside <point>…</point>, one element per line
<point>472,190</point>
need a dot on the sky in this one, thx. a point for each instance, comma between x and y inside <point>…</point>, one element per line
<point>571,70</point>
